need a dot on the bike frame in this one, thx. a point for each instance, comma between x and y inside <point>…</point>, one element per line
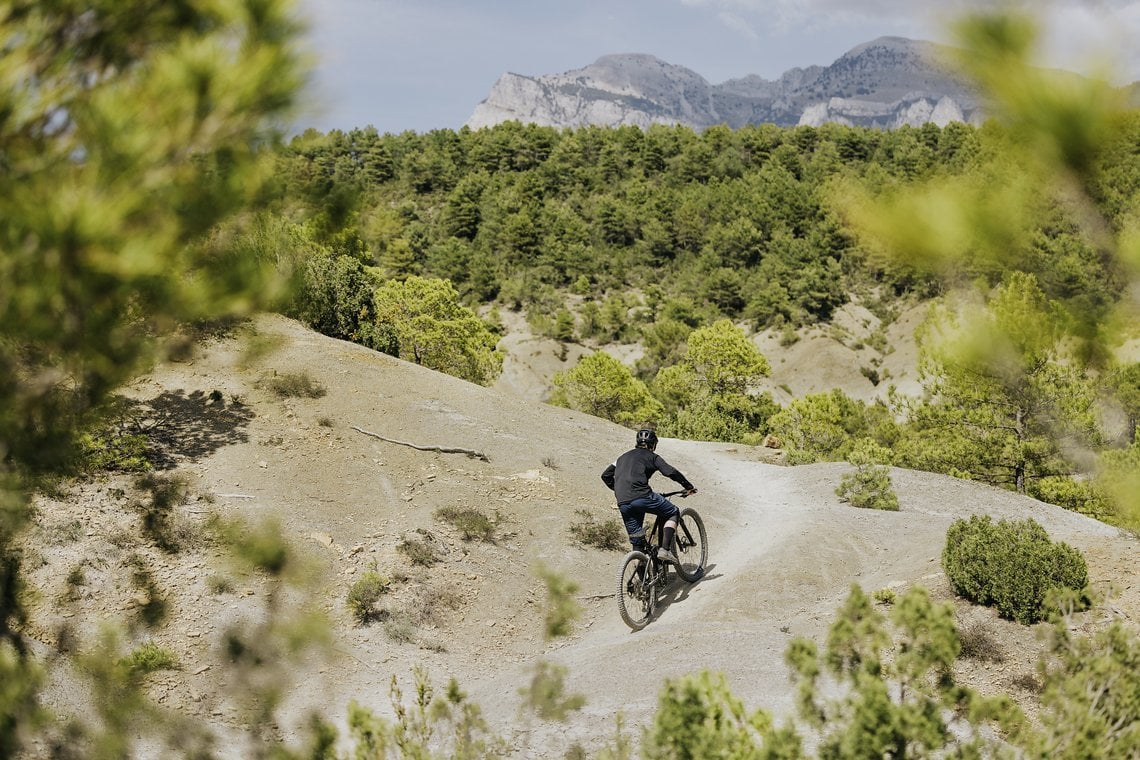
<point>658,529</point>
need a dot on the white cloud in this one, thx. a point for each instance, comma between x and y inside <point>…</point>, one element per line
<point>738,25</point>
<point>1082,35</point>
<point>793,16</point>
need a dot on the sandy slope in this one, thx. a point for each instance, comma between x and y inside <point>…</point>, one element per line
<point>783,550</point>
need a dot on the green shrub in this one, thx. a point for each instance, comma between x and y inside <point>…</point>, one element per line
<point>1078,496</point>
<point>885,596</point>
<point>788,335</point>
<point>885,685</point>
<point>149,657</point>
<point>602,386</point>
<point>113,450</point>
<point>547,695</point>
<point>561,608</point>
<point>429,724</point>
<point>471,523</point>
<point>869,485</point>
<point>608,535</point>
<point>878,341</point>
<point>418,551</point>
<point>1011,566</point>
<point>699,717</point>
<point>365,594</point>
<point>335,297</point>
<point>821,426</point>
<point>296,384</point>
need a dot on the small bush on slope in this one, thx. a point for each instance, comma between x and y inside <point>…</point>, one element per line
<point>608,535</point>
<point>869,485</point>
<point>365,594</point>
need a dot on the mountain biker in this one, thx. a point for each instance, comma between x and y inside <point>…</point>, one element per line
<point>628,478</point>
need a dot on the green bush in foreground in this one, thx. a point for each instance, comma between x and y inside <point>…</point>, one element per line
<point>884,686</point>
<point>1010,565</point>
<point>1091,701</point>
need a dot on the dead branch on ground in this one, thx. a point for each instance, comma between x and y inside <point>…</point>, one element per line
<point>440,449</point>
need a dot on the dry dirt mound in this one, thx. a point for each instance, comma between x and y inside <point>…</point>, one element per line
<point>783,551</point>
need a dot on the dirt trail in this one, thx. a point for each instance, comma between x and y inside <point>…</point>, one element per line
<point>783,556</point>
<point>715,624</point>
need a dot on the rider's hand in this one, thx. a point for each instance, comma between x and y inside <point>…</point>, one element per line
<point>690,492</point>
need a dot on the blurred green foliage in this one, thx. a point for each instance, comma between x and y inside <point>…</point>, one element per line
<point>429,726</point>
<point>888,689</point>
<point>1091,700</point>
<point>133,144</point>
<point>698,716</point>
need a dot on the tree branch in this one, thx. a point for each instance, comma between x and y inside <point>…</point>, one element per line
<point>440,449</point>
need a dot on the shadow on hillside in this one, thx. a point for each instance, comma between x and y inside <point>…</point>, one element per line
<point>183,427</point>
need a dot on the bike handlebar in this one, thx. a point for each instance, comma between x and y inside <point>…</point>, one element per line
<point>683,493</point>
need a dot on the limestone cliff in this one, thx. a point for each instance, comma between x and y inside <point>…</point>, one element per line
<point>885,83</point>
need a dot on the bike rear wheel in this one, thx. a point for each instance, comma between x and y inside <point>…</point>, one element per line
<point>690,545</point>
<point>637,598</point>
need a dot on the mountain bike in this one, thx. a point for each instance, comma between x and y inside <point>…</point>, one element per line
<point>643,577</point>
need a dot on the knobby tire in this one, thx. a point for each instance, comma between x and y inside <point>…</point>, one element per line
<point>637,599</point>
<point>690,545</point>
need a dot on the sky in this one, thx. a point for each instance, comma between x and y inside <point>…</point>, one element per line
<point>419,65</point>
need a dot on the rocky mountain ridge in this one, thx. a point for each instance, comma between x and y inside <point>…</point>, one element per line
<point>885,83</point>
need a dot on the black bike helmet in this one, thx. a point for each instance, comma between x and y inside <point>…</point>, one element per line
<point>646,439</point>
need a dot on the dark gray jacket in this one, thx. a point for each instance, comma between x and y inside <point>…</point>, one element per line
<point>629,476</point>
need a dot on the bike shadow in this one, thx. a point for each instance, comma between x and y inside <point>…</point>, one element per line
<point>678,589</point>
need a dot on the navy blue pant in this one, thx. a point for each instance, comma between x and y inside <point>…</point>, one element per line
<point>633,514</point>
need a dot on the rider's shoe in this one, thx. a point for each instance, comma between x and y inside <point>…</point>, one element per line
<point>665,555</point>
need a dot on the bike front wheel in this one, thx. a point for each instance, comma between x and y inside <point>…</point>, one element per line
<point>690,545</point>
<point>637,598</point>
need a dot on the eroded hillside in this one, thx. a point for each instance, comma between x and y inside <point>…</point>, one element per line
<point>783,550</point>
